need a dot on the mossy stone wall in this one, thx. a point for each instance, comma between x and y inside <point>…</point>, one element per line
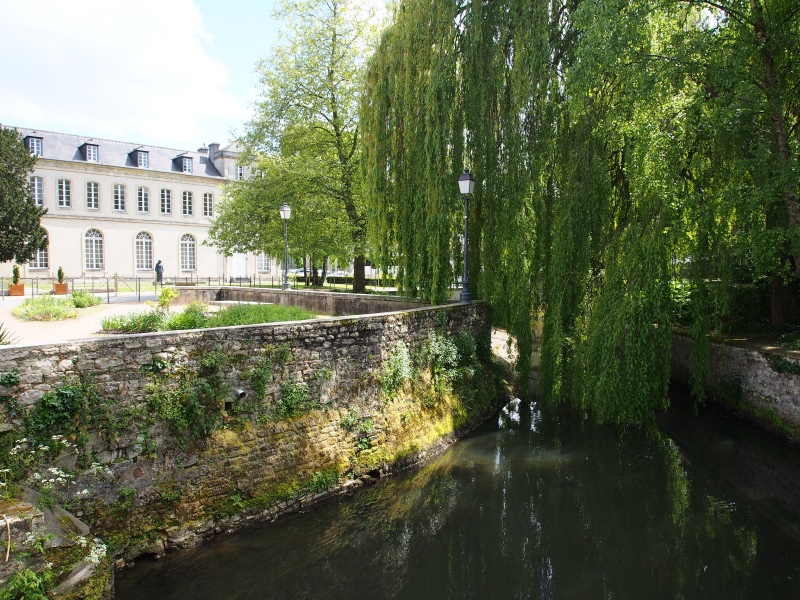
<point>763,386</point>
<point>152,487</point>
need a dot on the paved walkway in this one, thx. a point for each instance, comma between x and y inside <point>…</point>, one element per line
<point>87,324</point>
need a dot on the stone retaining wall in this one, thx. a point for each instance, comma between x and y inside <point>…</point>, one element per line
<point>151,489</point>
<point>324,303</point>
<point>761,385</point>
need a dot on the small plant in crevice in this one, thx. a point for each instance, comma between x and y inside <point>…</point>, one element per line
<point>322,481</point>
<point>395,370</point>
<point>9,379</point>
<point>69,409</point>
<point>295,400</point>
<point>196,403</point>
<point>349,421</point>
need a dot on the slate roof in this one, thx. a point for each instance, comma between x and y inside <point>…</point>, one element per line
<point>68,147</point>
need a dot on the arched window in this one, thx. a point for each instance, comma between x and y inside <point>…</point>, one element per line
<point>94,250</point>
<point>144,250</point>
<point>188,253</point>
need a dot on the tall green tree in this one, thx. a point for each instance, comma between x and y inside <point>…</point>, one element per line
<point>21,232</point>
<point>620,148</point>
<point>306,129</point>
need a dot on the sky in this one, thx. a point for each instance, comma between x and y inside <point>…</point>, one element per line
<point>172,73</point>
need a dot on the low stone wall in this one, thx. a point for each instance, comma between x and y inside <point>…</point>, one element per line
<point>761,385</point>
<point>321,303</point>
<point>143,486</point>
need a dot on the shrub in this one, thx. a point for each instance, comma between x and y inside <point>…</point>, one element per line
<point>137,322</point>
<point>295,400</point>
<point>251,314</point>
<point>46,308</point>
<point>395,370</point>
<point>192,317</point>
<point>83,299</point>
<point>15,275</point>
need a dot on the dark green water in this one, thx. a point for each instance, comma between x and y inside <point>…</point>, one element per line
<point>532,505</point>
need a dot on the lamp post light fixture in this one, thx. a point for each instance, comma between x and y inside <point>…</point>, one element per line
<point>466,183</point>
<point>286,213</point>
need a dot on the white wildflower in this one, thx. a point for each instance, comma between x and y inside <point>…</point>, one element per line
<point>97,553</point>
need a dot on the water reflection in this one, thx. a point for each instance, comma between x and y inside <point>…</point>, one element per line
<point>535,505</point>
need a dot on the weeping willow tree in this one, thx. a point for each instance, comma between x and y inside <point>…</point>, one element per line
<point>622,150</point>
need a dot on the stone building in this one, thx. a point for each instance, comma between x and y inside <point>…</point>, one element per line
<point>115,208</point>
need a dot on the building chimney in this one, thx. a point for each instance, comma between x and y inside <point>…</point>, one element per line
<point>213,149</point>
<point>203,150</point>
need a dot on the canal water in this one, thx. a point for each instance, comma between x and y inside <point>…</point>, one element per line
<point>534,504</point>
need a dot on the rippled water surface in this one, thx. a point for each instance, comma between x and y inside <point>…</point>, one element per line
<point>532,505</point>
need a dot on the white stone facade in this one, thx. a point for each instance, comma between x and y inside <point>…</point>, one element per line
<point>115,208</point>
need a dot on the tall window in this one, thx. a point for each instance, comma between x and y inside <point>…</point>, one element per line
<point>142,159</point>
<point>37,190</point>
<point>35,146</point>
<point>187,203</point>
<point>166,202</point>
<point>92,195</point>
<point>119,196</point>
<point>143,200</point>
<point>239,172</point>
<point>64,196</point>
<point>91,153</point>
<point>187,165</point>
<point>40,260</point>
<point>144,250</point>
<point>94,250</point>
<point>188,258</point>
<point>262,263</point>
<point>208,205</point>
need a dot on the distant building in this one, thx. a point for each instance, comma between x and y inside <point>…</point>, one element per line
<point>115,208</point>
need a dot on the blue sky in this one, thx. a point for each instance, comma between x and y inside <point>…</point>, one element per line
<point>174,73</point>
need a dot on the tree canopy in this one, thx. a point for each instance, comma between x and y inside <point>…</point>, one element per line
<point>21,232</point>
<point>305,140</point>
<point>624,151</point>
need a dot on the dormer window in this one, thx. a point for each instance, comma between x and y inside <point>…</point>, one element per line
<point>142,159</point>
<point>34,145</point>
<point>91,152</point>
<point>186,164</point>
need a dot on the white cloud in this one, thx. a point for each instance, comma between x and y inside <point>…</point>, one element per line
<point>135,71</point>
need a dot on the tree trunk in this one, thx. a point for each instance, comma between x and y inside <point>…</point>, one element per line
<point>359,279</point>
<point>784,301</point>
<point>784,296</point>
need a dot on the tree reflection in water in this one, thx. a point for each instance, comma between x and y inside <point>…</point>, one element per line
<point>534,504</point>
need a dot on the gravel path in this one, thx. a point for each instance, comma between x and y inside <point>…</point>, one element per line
<point>87,325</point>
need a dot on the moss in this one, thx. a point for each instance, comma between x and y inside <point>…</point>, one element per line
<point>767,416</point>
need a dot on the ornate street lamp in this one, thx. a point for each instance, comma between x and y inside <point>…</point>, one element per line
<point>286,213</point>
<point>466,183</point>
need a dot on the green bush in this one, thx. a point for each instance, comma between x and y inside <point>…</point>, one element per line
<point>395,370</point>
<point>295,400</point>
<point>194,316</point>
<point>137,322</point>
<point>252,314</point>
<point>83,299</point>
<point>46,308</point>
<point>66,409</point>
